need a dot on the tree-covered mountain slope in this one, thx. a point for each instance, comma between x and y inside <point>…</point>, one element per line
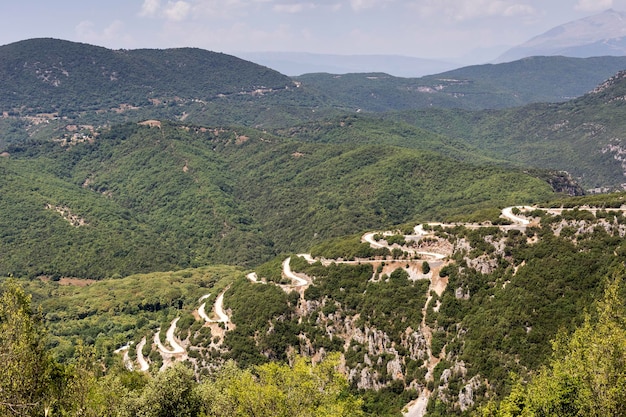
<point>138,198</point>
<point>584,137</point>
<point>47,85</point>
<point>439,312</point>
<point>489,86</point>
<point>50,75</point>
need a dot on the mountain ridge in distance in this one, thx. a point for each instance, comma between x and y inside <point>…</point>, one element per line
<point>299,63</point>
<point>598,35</point>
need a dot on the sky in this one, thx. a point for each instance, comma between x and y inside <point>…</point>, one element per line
<point>436,29</point>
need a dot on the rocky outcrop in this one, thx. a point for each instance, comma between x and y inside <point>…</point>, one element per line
<point>466,395</point>
<point>562,182</point>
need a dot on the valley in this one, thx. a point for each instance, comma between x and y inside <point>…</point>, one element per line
<point>422,256</point>
<point>185,230</point>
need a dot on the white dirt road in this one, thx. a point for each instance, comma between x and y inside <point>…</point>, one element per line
<point>417,407</point>
<point>201,311</point>
<point>143,364</point>
<point>219,309</point>
<point>369,238</point>
<point>253,277</point>
<point>128,364</point>
<point>177,349</point>
<point>508,213</point>
<point>298,279</point>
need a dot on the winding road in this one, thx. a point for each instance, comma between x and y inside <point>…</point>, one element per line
<point>416,408</point>
<point>128,364</point>
<point>369,238</point>
<point>252,276</point>
<point>143,364</point>
<point>297,278</point>
<point>508,213</point>
<point>201,311</point>
<point>218,308</point>
<point>177,349</point>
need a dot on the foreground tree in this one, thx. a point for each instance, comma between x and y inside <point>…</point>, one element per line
<point>277,390</point>
<point>587,375</point>
<point>172,393</point>
<point>26,370</point>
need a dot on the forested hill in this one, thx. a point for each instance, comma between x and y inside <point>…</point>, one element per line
<point>412,259</point>
<point>55,76</point>
<point>51,75</point>
<point>530,80</point>
<point>584,136</point>
<point>137,198</point>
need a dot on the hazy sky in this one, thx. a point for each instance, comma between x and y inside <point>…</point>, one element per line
<point>420,28</point>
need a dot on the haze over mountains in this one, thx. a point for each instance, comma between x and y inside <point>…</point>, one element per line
<point>603,34</point>
<point>597,35</point>
<point>298,63</point>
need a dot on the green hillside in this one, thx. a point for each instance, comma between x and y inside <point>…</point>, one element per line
<point>183,233</point>
<point>51,87</point>
<point>180,196</point>
<point>50,75</point>
<point>490,307</point>
<point>581,136</point>
<point>530,80</point>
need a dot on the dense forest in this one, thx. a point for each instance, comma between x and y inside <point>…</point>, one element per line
<point>506,293</point>
<point>184,233</point>
<point>140,199</point>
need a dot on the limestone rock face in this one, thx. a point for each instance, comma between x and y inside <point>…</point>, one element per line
<point>466,395</point>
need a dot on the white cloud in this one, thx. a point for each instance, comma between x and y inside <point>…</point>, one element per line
<point>519,10</point>
<point>358,5</point>
<point>362,4</point>
<point>173,10</point>
<point>593,5</point>
<point>113,33</point>
<point>461,10</point>
<point>224,9</point>
<point>298,6</point>
<point>293,8</point>
<point>177,11</point>
<point>150,8</point>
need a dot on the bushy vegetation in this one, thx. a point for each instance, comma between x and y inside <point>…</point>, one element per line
<point>586,374</point>
<point>549,136</point>
<point>108,314</point>
<point>540,283</point>
<point>32,383</point>
<point>177,196</point>
<point>78,200</point>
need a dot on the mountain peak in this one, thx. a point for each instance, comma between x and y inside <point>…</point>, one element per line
<point>598,35</point>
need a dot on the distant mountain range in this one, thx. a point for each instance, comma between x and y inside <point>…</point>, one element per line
<point>488,86</point>
<point>56,76</point>
<point>64,91</point>
<point>603,34</point>
<point>598,35</point>
<point>298,63</point>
